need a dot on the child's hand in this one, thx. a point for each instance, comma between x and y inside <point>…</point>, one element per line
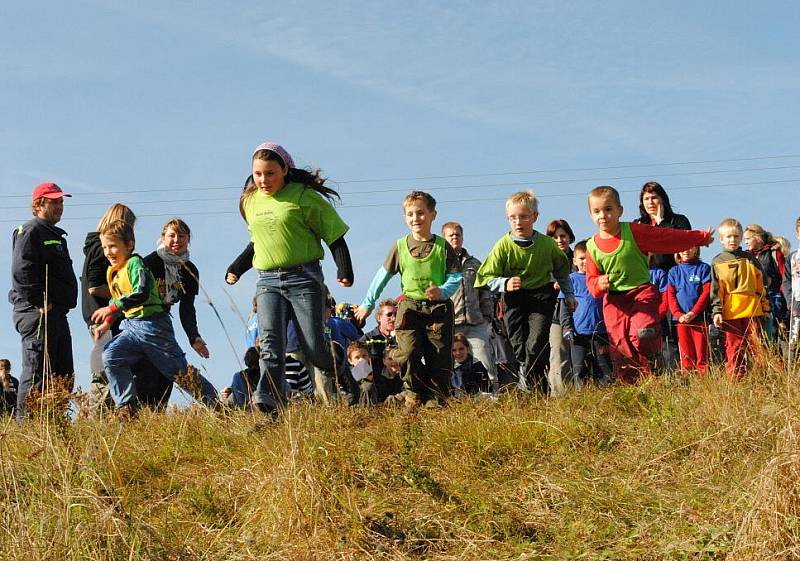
<point>230,278</point>
<point>100,314</point>
<point>710,232</point>
<point>686,318</point>
<point>200,346</point>
<point>514,283</point>
<point>361,313</point>
<point>99,330</point>
<point>603,283</point>
<point>225,392</point>
<point>571,303</point>
<point>433,292</point>
<point>344,282</point>
<point>718,320</point>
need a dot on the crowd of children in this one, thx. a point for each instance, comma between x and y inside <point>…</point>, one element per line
<point>597,313</point>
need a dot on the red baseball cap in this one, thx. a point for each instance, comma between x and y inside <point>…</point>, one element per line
<point>49,191</point>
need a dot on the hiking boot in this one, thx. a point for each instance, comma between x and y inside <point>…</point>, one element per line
<point>127,412</point>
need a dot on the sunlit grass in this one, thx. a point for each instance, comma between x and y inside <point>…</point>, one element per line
<point>670,469</point>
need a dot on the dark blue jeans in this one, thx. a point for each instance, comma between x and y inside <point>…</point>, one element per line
<point>30,324</point>
<point>590,359</point>
<point>281,294</point>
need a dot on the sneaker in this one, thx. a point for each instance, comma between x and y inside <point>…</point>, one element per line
<point>432,403</point>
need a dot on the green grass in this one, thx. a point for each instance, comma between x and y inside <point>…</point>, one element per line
<point>702,469</point>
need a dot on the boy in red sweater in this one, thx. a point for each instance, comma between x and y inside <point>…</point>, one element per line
<point>616,267</point>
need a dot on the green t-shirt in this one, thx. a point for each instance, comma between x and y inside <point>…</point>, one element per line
<point>536,264</point>
<point>416,273</point>
<point>286,228</point>
<point>626,266</point>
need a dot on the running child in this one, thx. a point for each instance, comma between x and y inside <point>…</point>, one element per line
<point>288,213</point>
<point>522,266</point>
<point>147,327</point>
<point>94,295</point>
<point>738,297</point>
<point>688,296</point>
<point>617,269</point>
<point>429,274</point>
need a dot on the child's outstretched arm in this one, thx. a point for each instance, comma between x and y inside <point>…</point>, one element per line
<point>379,282</point>
<point>666,240</point>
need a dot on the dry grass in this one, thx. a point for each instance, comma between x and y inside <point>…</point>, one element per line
<point>703,469</point>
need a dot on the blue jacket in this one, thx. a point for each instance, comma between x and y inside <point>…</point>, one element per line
<point>688,279</point>
<point>587,318</point>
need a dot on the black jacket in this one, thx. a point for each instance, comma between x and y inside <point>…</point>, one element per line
<point>189,287</point>
<point>40,259</point>
<point>93,275</point>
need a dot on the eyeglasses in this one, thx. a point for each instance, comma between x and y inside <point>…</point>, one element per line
<point>389,314</point>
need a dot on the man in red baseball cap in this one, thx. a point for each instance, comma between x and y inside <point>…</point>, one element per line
<point>43,287</point>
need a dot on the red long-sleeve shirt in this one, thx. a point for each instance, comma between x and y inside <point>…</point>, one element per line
<point>649,239</point>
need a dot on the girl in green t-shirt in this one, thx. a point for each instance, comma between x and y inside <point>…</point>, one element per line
<point>289,213</point>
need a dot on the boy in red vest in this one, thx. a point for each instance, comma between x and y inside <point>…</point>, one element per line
<point>616,267</point>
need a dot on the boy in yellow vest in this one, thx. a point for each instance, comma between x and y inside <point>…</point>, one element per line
<point>522,266</point>
<point>616,268</point>
<point>147,327</point>
<point>738,297</point>
<point>429,274</point>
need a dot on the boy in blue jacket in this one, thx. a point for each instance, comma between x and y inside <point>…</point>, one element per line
<point>585,329</point>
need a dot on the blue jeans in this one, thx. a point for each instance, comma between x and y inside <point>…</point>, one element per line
<point>281,294</point>
<point>151,337</point>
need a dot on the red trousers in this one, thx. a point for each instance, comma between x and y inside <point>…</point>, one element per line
<point>634,331</point>
<point>693,345</point>
<point>741,338</point>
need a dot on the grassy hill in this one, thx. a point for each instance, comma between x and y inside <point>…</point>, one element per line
<point>671,469</point>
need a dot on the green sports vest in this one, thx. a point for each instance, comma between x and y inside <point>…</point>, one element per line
<point>417,274</point>
<point>626,266</point>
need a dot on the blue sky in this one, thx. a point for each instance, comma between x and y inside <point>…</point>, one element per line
<point>168,99</point>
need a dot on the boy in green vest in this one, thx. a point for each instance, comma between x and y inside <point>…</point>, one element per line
<point>429,275</point>
<point>522,266</point>
<point>616,268</point>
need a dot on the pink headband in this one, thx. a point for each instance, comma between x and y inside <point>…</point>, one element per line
<point>278,149</point>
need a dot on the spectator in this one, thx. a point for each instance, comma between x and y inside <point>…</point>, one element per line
<point>41,264</point>
<point>472,307</point>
